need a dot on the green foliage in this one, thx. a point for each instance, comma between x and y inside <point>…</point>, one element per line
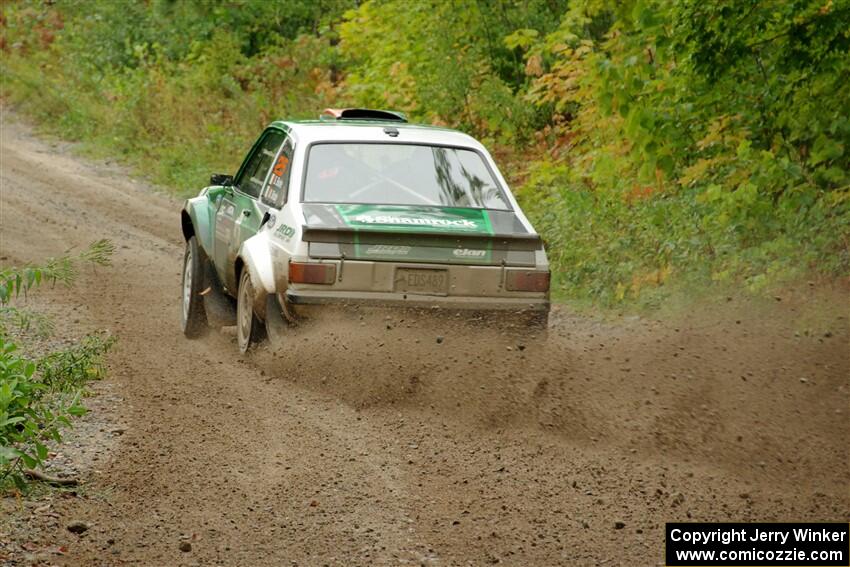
<point>31,414</point>
<point>73,367</point>
<point>443,62</point>
<point>39,398</point>
<point>178,89</point>
<point>17,280</point>
<point>25,320</point>
<point>21,439</point>
<point>699,139</point>
<point>652,142</point>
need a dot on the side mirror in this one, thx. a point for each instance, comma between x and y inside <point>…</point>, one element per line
<point>221,179</point>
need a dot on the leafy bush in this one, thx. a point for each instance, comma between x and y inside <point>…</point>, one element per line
<point>651,141</point>
<point>27,419</point>
<point>699,138</point>
<point>39,398</point>
<point>178,90</point>
<point>73,367</point>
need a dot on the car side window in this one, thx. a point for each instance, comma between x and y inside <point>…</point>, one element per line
<point>253,173</point>
<point>275,192</point>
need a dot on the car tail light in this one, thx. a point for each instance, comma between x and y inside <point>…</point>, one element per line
<point>300,272</point>
<point>526,280</point>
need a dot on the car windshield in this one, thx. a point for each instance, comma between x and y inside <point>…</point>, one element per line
<point>400,174</point>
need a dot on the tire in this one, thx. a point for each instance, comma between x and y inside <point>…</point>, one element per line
<point>193,317</point>
<point>277,326</point>
<point>248,327</point>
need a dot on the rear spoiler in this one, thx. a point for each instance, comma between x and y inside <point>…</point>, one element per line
<point>362,114</point>
<point>347,235</point>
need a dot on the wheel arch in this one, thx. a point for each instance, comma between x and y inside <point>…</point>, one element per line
<point>238,266</point>
<point>255,256</point>
<point>186,225</point>
<point>195,220</point>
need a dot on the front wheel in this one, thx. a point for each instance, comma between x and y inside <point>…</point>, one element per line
<point>193,317</point>
<point>248,328</point>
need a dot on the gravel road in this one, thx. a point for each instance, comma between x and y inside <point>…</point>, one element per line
<point>369,442</point>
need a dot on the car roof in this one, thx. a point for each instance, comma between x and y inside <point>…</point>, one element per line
<point>312,131</point>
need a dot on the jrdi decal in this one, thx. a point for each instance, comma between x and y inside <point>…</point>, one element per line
<point>285,231</point>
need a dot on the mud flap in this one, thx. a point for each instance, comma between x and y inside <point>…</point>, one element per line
<point>221,310</point>
<point>277,325</point>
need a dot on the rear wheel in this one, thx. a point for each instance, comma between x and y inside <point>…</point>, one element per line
<point>193,318</point>
<point>248,328</point>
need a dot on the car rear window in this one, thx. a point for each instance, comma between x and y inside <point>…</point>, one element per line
<point>400,174</point>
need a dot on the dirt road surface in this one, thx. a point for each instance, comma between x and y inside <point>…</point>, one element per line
<point>368,442</point>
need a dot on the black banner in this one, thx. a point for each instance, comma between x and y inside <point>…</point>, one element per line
<point>762,545</point>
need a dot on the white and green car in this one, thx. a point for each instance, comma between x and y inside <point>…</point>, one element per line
<point>359,208</point>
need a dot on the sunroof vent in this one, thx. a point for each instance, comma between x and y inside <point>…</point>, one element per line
<point>362,114</point>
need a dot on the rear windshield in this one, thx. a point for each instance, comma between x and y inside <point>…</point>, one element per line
<point>400,174</point>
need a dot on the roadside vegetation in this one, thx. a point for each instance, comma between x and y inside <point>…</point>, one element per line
<point>655,144</point>
<point>40,395</point>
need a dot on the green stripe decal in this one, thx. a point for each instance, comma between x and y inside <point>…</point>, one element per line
<point>487,222</point>
<point>489,231</point>
<point>356,244</point>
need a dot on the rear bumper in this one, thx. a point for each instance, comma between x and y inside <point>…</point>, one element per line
<point>384,299</point>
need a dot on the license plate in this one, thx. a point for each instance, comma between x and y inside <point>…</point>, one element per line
<point>434,282</point>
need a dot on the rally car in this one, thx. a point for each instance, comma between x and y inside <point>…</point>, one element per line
<point>358,208</point>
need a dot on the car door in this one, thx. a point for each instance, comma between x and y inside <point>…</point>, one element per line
<point>240,211</point>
